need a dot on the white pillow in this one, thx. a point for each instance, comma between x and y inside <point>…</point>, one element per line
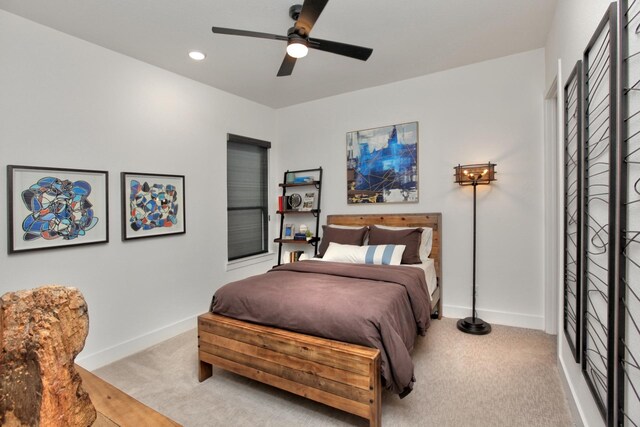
<point>426,239</point>
<point>376,254</point>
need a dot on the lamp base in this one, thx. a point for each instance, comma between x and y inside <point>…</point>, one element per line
<point>475,327</point>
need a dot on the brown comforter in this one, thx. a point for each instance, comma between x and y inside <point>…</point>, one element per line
<point>377,306</point>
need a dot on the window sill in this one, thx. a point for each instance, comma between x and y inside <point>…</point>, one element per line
<point>251,260</point>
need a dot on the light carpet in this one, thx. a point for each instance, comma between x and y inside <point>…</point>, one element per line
<point>507,378</point>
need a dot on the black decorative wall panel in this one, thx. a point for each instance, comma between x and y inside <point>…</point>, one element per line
<point>599,230</point>
<point>629,305</point>
<point>573,208</point>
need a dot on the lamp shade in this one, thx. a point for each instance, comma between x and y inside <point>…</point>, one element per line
<point>475,174</point>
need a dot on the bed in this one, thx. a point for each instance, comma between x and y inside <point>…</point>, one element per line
<point>338,373</point>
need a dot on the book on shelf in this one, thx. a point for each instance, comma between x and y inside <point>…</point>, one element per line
<point>280,204</point>
<point>307,201</point>
<point>300,236</point>
<point>294,256</point>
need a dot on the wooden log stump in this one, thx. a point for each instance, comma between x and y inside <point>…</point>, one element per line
<point>41,332</point>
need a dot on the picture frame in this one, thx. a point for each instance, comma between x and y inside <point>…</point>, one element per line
<point>289,231</point>
<point>51,208</point>
<point>382,165</point>
<point>308,201</point>
<point>153,205</point>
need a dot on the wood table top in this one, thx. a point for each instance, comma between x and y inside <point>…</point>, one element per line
<point>118,409</point>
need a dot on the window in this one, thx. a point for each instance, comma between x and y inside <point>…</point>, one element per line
<point>247,196</point>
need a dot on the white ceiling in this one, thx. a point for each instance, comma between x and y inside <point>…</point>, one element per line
<point>409,38</point>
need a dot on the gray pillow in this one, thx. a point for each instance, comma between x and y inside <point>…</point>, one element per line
<point>344,236</point>
<point>409,237</point>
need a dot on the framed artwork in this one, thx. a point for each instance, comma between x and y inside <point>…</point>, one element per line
<point>289,230</point>
<point>382,164</point>
<point>600,194</point>
<point>573,219</point>
<point>628,282</point>
<point>52,208</point>
<point>308,201</point>
<point>152,205</point>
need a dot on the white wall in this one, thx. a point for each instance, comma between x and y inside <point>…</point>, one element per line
<point>573,25</point>
<point>67,103</point>
<point>490,111</point>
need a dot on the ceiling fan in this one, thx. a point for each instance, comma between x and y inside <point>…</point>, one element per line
<point>298,40</point>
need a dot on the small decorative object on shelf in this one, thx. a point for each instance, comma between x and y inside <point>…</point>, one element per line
<point>289,231</point>
<point>307,202</point>
<point>303,180</point>
<point>296,204</point>
<point>294,201</point>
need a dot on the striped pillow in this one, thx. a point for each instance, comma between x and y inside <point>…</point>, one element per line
<point>376,254</point>
<point>384,254</point>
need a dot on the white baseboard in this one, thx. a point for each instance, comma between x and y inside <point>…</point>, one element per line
<point>134,345</point>
<point>570,392</point>
<point>498,317</point>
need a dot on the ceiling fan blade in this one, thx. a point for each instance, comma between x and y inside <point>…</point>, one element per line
<point>350,50</point>
<point>232,32</point>
<point>311,10</point>
<point>287,66</point>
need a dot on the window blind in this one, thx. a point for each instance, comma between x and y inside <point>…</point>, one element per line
<point>247,196</point>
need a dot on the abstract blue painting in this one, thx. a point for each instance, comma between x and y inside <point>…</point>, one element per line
<point>382,164</point>
<point>153,205</point>
<point>58,208</point>
<point>53,207</point>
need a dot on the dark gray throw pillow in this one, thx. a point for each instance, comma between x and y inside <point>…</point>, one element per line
<point>409,237</point>
<point>344,236</point>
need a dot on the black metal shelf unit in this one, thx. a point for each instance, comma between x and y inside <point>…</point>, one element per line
<point>286,209</point>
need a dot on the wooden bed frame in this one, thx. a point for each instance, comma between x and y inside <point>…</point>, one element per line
<point>341,375</point>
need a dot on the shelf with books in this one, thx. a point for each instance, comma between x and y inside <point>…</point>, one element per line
<point>300,184</point>
<point>299,211</point>
<point>299,203</point>
<point>311,241</point>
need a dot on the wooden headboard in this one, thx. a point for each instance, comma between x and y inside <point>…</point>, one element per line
<point>431,220</point>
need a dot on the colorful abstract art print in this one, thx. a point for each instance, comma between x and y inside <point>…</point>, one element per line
<point>152,205</point>
<point>53,208</point>
<point>382,164</point>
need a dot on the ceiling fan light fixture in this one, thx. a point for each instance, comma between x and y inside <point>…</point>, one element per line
<point>305,16</point>
<point>297,48</point>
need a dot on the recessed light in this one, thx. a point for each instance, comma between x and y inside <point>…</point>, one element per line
<point>197,56</point>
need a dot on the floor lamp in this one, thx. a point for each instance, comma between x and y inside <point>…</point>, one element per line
<point>474,175</point>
